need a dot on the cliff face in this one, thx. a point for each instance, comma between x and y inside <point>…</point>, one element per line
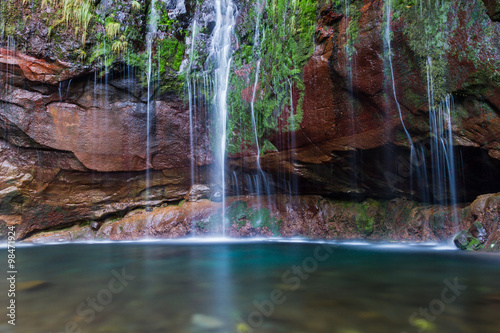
<point>336,119</point>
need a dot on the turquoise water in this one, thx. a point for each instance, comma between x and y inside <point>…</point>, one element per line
<point>253,287</point>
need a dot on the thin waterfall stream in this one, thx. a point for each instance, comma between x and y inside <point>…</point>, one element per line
<point>387,39</point>
<point>152,30</point>
<point>191,101</point>
<point>219,59</point>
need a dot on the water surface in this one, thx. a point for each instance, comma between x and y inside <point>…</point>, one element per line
<point>254,287</point>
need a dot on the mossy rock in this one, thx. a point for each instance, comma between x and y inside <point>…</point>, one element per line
<point>465,241</point>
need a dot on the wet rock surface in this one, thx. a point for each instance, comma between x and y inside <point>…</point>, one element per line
<point>313,217</point>
<point>484,233</point>
<point>198,192</point>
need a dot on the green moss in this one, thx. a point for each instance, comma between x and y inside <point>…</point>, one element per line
<point>280,51</point>
<point>352,31</point>
<point>465,241</point>
<point>428,33</point>
<point>240,214</point>
<point>474,244</point>
<point>213,222</point>
<point>171,53</point>
<point>430,28</point>
<point>125,42</point>
<point>206,226</point>
<point>365,216</point>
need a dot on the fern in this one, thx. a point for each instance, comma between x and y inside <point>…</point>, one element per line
<point>136,5</point>
<point>112,29</point>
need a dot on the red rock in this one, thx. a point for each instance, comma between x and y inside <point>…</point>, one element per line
<point>39,70</point>
<point>311,216</point>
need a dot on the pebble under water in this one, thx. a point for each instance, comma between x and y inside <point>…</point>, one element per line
<point>256,286</point>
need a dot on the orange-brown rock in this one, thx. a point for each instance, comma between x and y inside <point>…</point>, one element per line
<point>38,70</point>
<point>104,127</point>
<point>288,216</point>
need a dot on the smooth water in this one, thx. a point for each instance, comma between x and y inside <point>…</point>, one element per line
<point>254,287</point>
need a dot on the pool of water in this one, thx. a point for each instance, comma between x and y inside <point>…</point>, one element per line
<point>257,286</point>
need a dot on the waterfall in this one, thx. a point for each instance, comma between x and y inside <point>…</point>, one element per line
<point>387,37</point>
<point>191,91</point>
<point>180,8</point>
<point>444,180</point>
<point>219,59</point>
<point>10,48</point>
<point>257,54</point>
<point>152,30</point>
<point>350,67</point>
<point>260,177</point>
<point>388,49</point>
<point>252,110</point>
<point>2,22</point>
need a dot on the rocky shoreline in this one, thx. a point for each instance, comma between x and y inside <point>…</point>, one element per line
<point>313,217</point>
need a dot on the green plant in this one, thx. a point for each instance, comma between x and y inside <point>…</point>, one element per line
<point>352,30</point>
<point>112,28</point>
<point>76,14</point>
<point>275,58</point>
<point>239,214</point>
<point>428,31</point>
<point>136,5</point>
<point>120,45</point>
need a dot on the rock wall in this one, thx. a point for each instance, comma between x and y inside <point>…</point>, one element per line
<point>347,117</point>
<point>287,216</point>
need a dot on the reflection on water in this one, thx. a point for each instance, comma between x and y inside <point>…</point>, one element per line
<point>253,287</point>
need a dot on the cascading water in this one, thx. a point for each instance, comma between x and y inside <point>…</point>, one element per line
<point>350,69</point>
<point>152,30</point>
<point>219,61</point>
<point>191,97</point>
<point>260,177</point>
<point>252,109</point>
<point>444,180</point>
<point>387,38</point>
<point>180,8</point>
<point>10,49</point>
<point>256,52</point>
<point>388,52</point>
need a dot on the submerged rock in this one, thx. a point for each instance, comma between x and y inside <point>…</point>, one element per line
<point>204,322</point>
<point>31,285</point>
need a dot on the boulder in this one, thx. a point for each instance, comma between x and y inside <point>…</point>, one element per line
<point>484,233</point>
<point>39,70</point>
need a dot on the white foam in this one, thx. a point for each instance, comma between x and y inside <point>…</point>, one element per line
<point>229,240</point>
